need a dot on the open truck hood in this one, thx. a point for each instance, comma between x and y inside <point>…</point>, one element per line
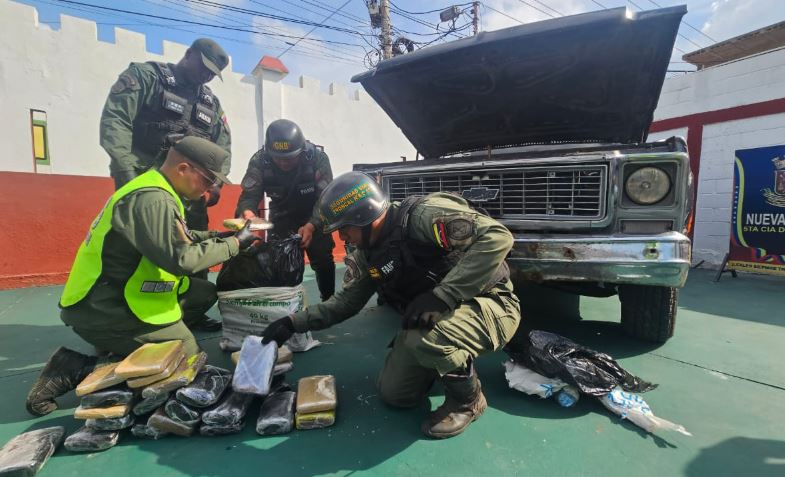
<point>594,77</point>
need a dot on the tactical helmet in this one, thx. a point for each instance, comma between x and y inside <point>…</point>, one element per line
<point>284,139</point>
<point>353,198</point>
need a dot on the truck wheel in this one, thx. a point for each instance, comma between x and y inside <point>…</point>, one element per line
<point>648,312</point>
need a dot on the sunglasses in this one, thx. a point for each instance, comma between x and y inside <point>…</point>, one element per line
<point>213,181</point>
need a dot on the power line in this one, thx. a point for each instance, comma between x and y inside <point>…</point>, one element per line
<point>314,28</point>
<point>538,9</point>
<point>550,8</point>
<point>429,11</point>
<point>500,12</point>
<point>687,24</point>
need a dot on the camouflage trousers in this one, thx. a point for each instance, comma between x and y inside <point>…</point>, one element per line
<point>481,325</point>
<point>106,322</point>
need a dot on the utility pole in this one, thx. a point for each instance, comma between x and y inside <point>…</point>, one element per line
<point>476,17</point>
<point>384,10</point>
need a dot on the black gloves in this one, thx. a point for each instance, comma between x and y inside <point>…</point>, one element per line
<point>213,195</point>
<point>279,331</point>
<point>423,311</point>
<point>245,236</point>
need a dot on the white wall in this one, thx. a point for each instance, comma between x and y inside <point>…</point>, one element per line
<point>748,81</point>
<point>68,73</point>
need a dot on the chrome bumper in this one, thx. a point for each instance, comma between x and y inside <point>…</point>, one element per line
<point>658,260</point>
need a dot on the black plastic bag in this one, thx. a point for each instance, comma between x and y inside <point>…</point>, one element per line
<point>182,413</point>
<point>88,440</point>
<point>594,373</point>
<point>107,397</point>
<point>230,412</point>
<point>207,388</point>
<point>277,263</point>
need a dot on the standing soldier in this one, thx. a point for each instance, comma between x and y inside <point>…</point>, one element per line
<point>442,265</point>
<point>293,173</point>
<point>152,104</point>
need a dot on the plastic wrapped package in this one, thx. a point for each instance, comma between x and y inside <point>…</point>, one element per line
<point>282,368</point>
<point>143,431</point>
<point>277,414</point>
<point>179,412</point>
<point>207,388</point>
<point>25,454</point>
<point>107,397</point>
<point>523,379</point>
<point>285,355</point>
<point>161,422</point>
<point>315,420</point>
<point>88,440</point>
<point>254,371</point>
<point>183,376</point>
<point>231,411</point>
<point>221,429</point>
<point>102,412</point>
<point>633,408</point>
<point>316,394</point>
<point>101,378</point>
<point>302,342</point>
<point>555,356</point>
<point>114,424</point>
<point>143,381</point>
<point>149,359</point>
<point>148,405</point>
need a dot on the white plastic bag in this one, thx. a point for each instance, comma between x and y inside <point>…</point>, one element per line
<point>632,407</point>
<point>525,380</point>
<point>248,312</point>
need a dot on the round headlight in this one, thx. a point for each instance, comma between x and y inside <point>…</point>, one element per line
<point>647,185</point>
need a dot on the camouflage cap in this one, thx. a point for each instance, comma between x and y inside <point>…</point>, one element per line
<point>214,57</point>
<point>203,152</point>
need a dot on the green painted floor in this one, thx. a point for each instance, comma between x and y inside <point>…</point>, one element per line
<point>722,377</point>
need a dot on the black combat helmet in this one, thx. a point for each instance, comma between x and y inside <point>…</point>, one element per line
<point>284,139</point>
<point>353,198</point>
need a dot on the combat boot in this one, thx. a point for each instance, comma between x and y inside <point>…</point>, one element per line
<point>62,373</point>
<point>464,403</point>
<point>325,280</point>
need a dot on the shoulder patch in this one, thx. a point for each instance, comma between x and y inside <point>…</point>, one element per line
<point>352,270</point>
<point>454,230</point>
<point>125,81</point>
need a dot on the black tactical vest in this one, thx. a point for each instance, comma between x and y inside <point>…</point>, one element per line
<point>178,110</point>
<point>403,268</point>
<point>292,196</point>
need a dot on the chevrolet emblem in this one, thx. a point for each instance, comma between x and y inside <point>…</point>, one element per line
<point>479,194</point>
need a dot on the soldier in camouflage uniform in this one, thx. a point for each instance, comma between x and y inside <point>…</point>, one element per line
<point>292,172</point>
<point>129,284</point>
<point>152,104</point>
<point>441,264</point>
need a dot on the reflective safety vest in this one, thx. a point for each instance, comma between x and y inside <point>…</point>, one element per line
<point>151,292</point>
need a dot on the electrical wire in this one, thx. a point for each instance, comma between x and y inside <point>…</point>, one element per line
<point>314,28</point>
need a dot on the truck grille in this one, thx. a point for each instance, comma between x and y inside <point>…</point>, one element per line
<point>555,192</point>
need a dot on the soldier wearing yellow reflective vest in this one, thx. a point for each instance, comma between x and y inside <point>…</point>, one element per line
<point>129,284</point>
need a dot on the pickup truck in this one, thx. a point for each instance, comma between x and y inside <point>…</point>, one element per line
<point>544,126</point>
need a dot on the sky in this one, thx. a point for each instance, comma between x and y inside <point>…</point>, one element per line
<point>339,41</point>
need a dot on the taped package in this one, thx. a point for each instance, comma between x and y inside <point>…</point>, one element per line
<point>143,381</point>
<point>27,453</point>
<point>161,422</point>
<point>183,376</point>
<point>254,371</point>
<point>221,429</point>
<point>87,440</point>
<point>148,405</point>
<point>113,424</point>
<point>179,412</point>
<point>231,411</point>
<point>102,412</point>
<point>316,394</point>
<point>107,397</point>
<point>207,388</point>
<point>277,414</point>
<point>315,420</point>
<point>149,359</point>
<point>101,378</point>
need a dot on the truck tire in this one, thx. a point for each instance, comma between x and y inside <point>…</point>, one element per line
<point>648,312</point>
